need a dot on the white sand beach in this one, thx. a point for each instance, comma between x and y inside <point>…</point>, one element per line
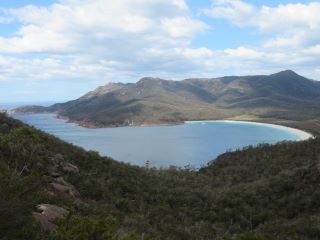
<point>303,135</point>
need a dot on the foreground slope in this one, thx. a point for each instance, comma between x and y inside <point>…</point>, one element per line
<point>270,192</point>
<point>285,97</point>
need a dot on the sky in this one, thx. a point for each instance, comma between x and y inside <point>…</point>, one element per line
<point>57,50</point>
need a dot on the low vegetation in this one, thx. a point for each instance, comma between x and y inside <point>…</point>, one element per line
<point>266,192</point>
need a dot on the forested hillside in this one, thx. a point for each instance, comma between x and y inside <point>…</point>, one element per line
<point>285,98</point>
<point>52,190</point>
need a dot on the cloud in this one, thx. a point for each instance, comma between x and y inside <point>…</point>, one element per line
<point>69,26</point>
<point>123,40</point>
<point>244,53</point>
<point>295,25</point>
<point>182,27</point>
<point>235,11</point>
<point>290,35</point>
<point>91,39</point>
<point>289,17</point>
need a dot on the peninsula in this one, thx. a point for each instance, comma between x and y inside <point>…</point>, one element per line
<point>283,98</point>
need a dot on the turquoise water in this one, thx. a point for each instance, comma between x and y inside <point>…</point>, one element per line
<point>191,144</point>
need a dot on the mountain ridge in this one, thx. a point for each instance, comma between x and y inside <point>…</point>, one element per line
<point>281,97</point>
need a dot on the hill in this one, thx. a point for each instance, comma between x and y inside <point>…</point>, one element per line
<point>284,98</point>
<point>53,190</point>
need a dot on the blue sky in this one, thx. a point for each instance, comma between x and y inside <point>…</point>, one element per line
<point>56,50</point>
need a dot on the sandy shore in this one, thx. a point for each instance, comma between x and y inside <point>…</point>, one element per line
<point>302,135</point>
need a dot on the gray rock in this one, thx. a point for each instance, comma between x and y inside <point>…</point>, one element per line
<point>68,167</point>
<point>60,185</point>
<point>46,213</point>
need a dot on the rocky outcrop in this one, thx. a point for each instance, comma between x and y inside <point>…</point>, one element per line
<point>59,164</point>
<point>47,213</point>
<point>61,186</point>
<point>68,167</point>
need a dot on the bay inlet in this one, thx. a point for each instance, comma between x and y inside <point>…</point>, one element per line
<point>192,144</point>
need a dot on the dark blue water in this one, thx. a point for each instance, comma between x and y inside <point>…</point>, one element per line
<point>191,144</point>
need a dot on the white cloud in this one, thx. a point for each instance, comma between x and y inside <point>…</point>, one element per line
<point>236,11</point>
<point>281,18</point>
<point>290,34</point>
<point>314,50</point>
<point>106,40</point>
<point>100,38</point>
<point>5,20</point>
<point>97,40</point>
<point>4,17</point>
<point>182,26</point>
<point>294,24</point>
<point>244,53</point>
<point>71,25</point>
<point>196,53</point>
<point>317,71</point>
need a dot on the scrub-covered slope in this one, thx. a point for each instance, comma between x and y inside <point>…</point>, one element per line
<point>53,190</point>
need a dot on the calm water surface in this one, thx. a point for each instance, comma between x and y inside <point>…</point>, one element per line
<point>190,144</point>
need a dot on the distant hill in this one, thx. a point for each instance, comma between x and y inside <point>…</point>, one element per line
<point>284,97</point>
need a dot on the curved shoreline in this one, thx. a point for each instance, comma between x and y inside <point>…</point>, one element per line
<point>303,135</point>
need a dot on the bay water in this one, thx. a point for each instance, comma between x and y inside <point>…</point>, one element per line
<point>192,144</point>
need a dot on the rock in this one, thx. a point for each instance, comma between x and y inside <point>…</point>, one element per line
<point>68,167</point>
<point>3,112</point>
<point>60,185</point>
<point>4,125</point>
<point>62,181</point>
<point>52,169</point>
<point>54,174</point>
<point>58,158</point>
<point>60,188</point>
<point>59,163</point>
<point>46,213</point>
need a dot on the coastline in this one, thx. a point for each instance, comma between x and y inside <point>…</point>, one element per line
<point>303,135</point>
<point>89,124</point>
